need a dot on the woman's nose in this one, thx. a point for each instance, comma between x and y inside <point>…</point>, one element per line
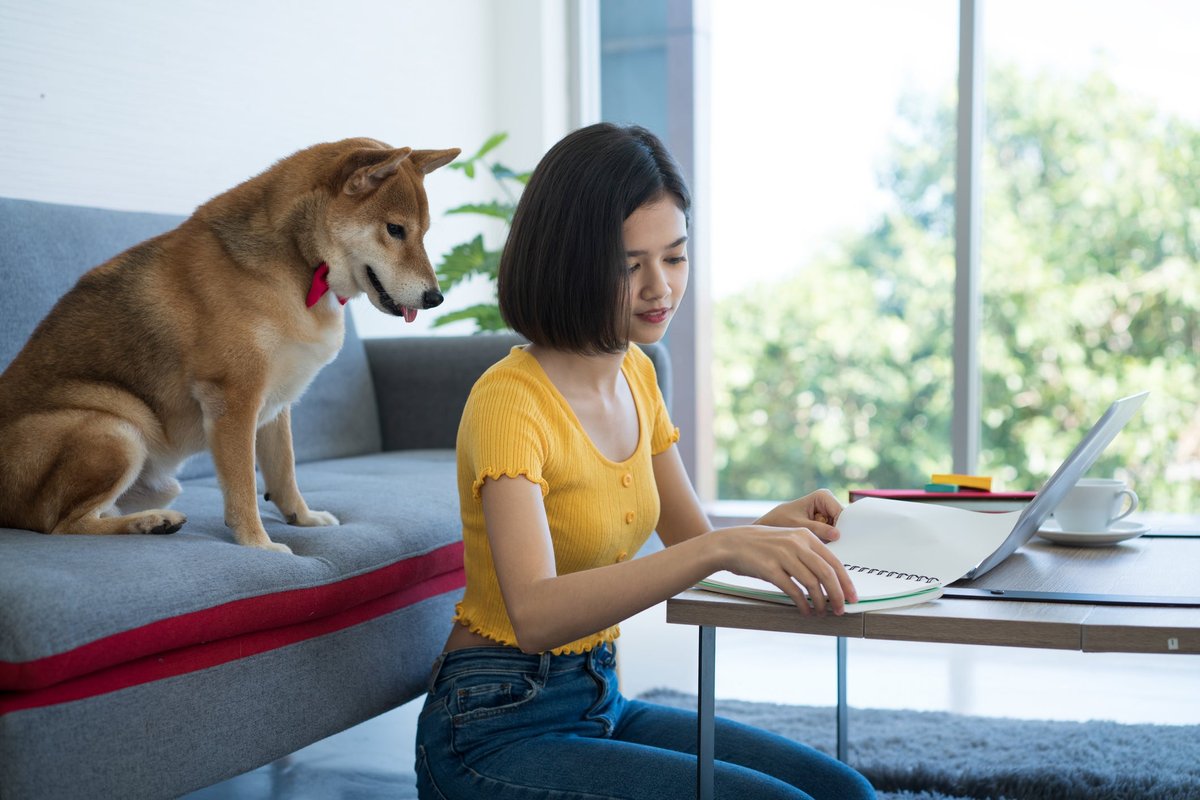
<point>656,285</point>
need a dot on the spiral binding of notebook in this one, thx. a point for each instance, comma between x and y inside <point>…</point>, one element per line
<point>887,573</point>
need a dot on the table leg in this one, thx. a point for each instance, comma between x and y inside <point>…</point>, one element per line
<point>705,712</point>
<point>843,710</point>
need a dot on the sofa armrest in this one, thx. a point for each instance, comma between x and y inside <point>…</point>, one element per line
<point>422,383</point>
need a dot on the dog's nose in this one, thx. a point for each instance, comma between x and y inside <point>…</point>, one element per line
<point>431,298</point>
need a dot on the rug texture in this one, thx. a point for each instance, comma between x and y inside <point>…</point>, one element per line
<point>924,755</point>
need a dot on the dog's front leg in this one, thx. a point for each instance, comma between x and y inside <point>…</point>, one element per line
<point>277,461</point>
<point>230,419</point>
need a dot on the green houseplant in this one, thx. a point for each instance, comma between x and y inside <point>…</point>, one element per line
<point>473,258</point>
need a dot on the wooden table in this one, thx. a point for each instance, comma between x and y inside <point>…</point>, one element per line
<point>1141,596</point>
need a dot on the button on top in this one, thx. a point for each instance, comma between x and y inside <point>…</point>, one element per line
<point>629,518</point>
<point>626,480</point>
<point>621,556</point>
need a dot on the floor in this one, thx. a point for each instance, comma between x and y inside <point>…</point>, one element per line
<point>374,759</point>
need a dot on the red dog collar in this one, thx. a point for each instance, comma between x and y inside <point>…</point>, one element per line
<point>320,286</point>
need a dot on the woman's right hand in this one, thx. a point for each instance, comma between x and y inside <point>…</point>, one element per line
<point>787,557</point>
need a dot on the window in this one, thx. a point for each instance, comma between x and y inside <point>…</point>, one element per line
<point>832,244</point>
<point>833,131</point>
<point>1091,238</point>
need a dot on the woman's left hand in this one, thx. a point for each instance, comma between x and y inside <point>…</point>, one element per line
<point>817,511</point>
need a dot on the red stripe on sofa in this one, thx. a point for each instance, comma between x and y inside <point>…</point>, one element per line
<point>261,613</point>
<point>212,654</point>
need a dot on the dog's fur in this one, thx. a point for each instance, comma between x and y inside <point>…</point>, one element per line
<point>201,337</point>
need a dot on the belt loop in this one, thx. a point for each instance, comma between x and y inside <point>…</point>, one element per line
<point>544,666</point>
<point>433,673</point>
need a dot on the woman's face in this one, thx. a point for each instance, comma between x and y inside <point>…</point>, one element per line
<point>655,237</point>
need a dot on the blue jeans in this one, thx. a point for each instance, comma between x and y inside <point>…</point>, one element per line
<point>505,725</point>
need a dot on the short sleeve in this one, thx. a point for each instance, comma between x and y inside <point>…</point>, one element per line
<point>663,432</point>
<point>502,433</point>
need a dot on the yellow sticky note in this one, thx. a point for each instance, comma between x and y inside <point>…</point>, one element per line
<point>981,482</point>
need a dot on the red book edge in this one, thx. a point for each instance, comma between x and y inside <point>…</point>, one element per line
<point>921,494</point>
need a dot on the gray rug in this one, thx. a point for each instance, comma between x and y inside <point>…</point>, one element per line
<point>907,755</point>
<point>921,755</point>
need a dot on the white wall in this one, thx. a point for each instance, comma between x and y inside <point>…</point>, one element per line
<point>158,106</point>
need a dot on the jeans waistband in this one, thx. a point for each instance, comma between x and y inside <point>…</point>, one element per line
<point>510,659</point>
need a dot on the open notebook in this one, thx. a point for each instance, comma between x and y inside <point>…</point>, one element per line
<point>901,553</point>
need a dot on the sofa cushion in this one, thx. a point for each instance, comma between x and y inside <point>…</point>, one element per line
<point>51,245</point>
<point>147,597</point>
<point>168,737</point>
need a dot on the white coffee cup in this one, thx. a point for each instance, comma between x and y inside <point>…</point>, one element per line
<point>1094,504</point>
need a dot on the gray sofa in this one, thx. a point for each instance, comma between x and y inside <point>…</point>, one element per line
<point>149,666</point>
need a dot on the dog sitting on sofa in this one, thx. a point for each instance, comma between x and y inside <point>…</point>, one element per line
<point>203,337</point>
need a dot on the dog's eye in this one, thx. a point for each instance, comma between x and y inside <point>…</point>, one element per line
<point>396,231</point>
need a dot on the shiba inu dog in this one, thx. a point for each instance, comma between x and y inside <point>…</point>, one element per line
<point>203,337</point>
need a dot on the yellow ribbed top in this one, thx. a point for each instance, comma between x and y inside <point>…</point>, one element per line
<point>517,424</point>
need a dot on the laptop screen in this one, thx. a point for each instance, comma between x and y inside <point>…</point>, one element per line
<point>1064,478</point>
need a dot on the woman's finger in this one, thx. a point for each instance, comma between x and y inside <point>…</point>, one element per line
<point>841,576</point>
<point>834,577</point>
<point>823,528</point>
<point>825,590</point>
<point>788,586</point>
<point>825,504</point>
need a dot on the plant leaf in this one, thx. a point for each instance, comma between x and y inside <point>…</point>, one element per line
<point>489,319</point>
<point>499,172</point>
<point>462,262</point>
<point>494,141</point>
<point>486,317</point>
<point>495,209</point>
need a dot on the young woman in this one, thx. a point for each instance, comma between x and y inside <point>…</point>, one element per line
<point>566,464</point>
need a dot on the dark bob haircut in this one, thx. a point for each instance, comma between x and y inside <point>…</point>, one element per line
<point>563,280</point>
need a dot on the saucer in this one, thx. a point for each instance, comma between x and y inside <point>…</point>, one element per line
<point>1119,532</point>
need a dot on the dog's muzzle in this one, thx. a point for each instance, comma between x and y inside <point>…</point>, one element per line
<point>430,299</point>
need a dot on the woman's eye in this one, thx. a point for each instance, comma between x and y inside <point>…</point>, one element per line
<point>677,260</point>
<point>395,231</point>
<point>634,267</point>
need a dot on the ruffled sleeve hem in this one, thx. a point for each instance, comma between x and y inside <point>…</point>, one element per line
<point>663,446</point>
<point>496,472</point>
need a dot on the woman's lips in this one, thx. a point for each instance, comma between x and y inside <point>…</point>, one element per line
<point>655,316</point>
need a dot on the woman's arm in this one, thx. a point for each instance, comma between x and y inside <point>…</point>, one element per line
<point>784,544</point>
<point>548,610</point>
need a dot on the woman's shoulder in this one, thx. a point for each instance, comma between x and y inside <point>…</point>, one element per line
<point>514,364</point>
<point>639,365</point>
<point>515,374</point>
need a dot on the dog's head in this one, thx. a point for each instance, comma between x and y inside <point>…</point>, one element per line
<point>375,226</point>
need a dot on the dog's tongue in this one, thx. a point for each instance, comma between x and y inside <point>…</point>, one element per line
<point>409,313</point>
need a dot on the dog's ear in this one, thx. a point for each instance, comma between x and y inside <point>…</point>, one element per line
<point>363,170</point>
<point>429,160</point>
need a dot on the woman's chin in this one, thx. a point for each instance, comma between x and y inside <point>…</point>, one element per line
<point>648,334</point>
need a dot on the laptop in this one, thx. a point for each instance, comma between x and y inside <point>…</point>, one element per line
<point>1065,477</point>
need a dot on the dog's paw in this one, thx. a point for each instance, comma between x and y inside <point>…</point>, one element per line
<point>277,547</point>
<point>312,519</point>
<point>157,523</point>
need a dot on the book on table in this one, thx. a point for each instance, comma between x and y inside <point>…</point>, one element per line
<point>902,553</point>
<point>897,553</point>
